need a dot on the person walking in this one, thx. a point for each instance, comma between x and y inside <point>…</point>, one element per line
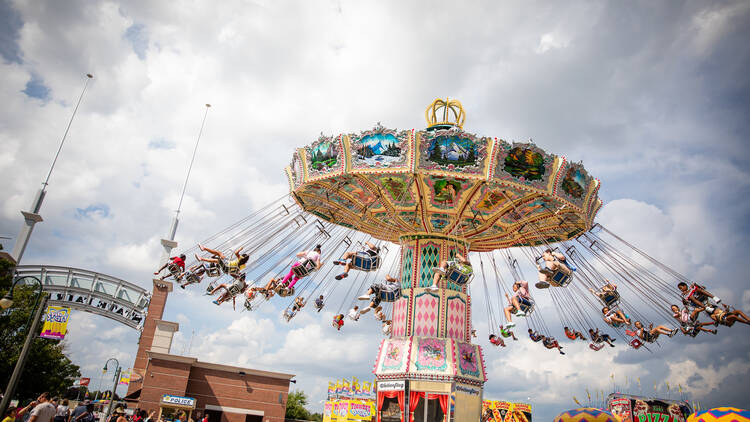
<point>63,412</point>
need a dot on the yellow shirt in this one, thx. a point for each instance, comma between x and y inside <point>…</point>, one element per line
<point>9,419</point>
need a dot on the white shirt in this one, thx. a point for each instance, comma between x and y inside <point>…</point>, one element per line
<point>313,256</point>
<point>354,314</point>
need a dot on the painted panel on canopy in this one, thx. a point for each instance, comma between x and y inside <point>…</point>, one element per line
<point>411,218</point>
<point>534,208</point>
<point>573,183</point>
<point>439,221</point>
<point>397,187</point>
<point>431,355</point>
<point>297,170</point>
<point>526,164</point>
<point>395,353</point>
<point>324,156</point>
<point>467,358</point>
<point>453,150</point>
<point>446,193</point>
<point>355,190</point>
<point>380,148</point>
<point>492,198</point>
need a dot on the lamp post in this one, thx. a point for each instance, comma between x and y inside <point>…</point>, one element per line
<point>32,327</point>
<point>114,387</point>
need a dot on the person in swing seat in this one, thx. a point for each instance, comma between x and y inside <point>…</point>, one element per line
<point>354,313</point>
<point>534,336</point>
<point>319,303</point>
<point>727,316</point>
<point>520,296</point>
<point>391,285</point>
<point>299,303</point>
<point>370,251</point>
<point>237,287</point>
<point>443,269</point>
<point>696,296</point>
<point>615,317</point>
<point>496,341</point>
<point>598,337</point>
<point>228,266</point>
<point>651,334</point>
<point>551,343</point>
<point>291,278</point>
<point>506,332</point>
<point>193,275</point>
<point>689,324</point>
<point>176,265</point>
<point>379,314</point>
<point>386,327</point>
<point>606,293</point>
<point>338,321</point>
<point>573,334</point>
<point>554,262</point>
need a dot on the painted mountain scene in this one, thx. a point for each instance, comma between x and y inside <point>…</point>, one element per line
<point>452,150</point>
<point>379,149</point>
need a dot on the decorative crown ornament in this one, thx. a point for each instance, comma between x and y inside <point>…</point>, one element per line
<point>445,112</point>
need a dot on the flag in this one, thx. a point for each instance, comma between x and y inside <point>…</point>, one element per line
<point>125,378</point>
<point>55,322</point>
<point>679,388</point>
<point>576,400</point>
<point>84,382</point>
<point>588,394</point>
<point>355,387</point>
<point>667,386</point>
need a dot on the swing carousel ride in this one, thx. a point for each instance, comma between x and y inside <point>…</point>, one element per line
<point>420,209</point>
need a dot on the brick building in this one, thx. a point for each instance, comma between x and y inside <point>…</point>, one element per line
<point>168,383</point>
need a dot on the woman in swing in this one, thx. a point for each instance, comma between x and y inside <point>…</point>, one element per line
<point>520,296</point>
<point>615,317</point>
<point>651,334</point>
<point>370,252</point>
<point>237,287</point>
<point>553,261</point>
<point>728,317</point>
<point>230,267</point>
<point>443,269</point>
<point>291,278</point>
<point>390,287</point>
<point>689,324</point>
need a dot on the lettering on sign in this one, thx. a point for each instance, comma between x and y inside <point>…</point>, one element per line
<point>467,390</point>
<point>391,385</point>
<point>178,400</point>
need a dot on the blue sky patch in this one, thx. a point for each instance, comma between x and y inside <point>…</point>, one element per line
<point>161,143</point>
<point>136,34</point>
<point>10,26</point>
<point>36,88</point>
<point>93,210</point>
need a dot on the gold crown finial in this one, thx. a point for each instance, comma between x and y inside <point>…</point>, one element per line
<point>445,112</point>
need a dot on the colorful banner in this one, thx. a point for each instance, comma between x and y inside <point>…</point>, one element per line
<point>503,411</point>
<point>125,377</point>
<point>55,322</point>
<point>84,382</point>
<point>348,411</point>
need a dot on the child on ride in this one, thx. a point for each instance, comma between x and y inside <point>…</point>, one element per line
<point>497,341</point>
<point>573,334</point>
<point>347,260</point>
<point>177,263</point>
<point>520,295</point>
<point>443,268</point>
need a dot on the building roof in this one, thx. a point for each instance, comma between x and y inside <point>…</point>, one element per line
<point>218,367</point>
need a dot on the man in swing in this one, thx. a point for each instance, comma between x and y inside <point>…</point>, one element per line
<point>551,343</point>
<point>573,334</point>
<point>193,275</point>
<point>369,253</point>
<point>230,267</point>
<point>651,334</point>
<point>440,271</point>
<point>390,286</point>
<point>520,296</point>
<point>597,338</point>
<point>506,332</point>
<point>534,336</point>
<point>554,262</point>
<point>696,296</point>
<point>176,266</point>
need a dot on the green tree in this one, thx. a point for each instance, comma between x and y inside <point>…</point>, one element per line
<point>47,368</point>
<point>295,406</point>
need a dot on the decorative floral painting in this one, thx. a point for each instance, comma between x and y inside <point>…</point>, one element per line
<point>468,361</point>
<point>393,357</point>
<point>431,354</point>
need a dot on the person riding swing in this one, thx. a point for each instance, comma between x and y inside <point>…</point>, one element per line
<point>557,271</point>
<point>308,262</point>
<point>367,259</point>
<point>458,271</point>
<point>388,291</point>
<point>237,287</point>
<point>520,303</point>
<point>175,265</point>
<point>230,267</point>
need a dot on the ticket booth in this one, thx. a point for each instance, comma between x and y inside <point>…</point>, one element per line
<point>170,407</point>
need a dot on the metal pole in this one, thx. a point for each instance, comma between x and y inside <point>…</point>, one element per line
<point>114,388</point>
<point>41,306</point>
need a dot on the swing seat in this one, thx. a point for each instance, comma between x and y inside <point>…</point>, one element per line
<point>174,270</point>
<point>611,299</point>
<point>635,343</point>
<point>211,286</point>
<point>213,271</point>
<point>459,274</point>
<point>386,296</point>
<point>285,291</point>
<point>559,279</point>
<point>304,268</point>
<point>527,306</point>
<point>192,279</point>
<point>365,262</point>
<point>596,346</point>
<point>235,289</point>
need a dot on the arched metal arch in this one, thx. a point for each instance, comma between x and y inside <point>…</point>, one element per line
<point>92,292</point>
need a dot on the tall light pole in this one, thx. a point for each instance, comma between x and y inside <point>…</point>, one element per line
<point>32,217</point>
<point>169,243</point>
<point>32,326</point>
<point>114,387</point>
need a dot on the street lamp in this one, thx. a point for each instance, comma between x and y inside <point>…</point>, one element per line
<point>32,326</point>
<point>114,387</point>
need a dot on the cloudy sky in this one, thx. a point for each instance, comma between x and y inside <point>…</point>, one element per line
<point>652,97</point>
